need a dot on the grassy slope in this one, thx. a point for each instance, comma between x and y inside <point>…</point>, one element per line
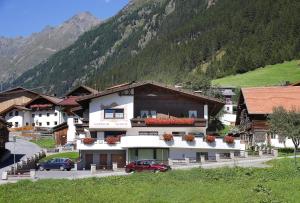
<point>270,75</point>
<point>45,142</point>
<point>70,155</point>
<point>277,184</point>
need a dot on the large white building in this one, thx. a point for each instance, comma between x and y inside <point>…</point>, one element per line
<point>147,120</point>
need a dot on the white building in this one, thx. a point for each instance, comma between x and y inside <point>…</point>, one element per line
<point>131,121</point>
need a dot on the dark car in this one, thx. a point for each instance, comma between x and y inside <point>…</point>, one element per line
<point>57,163</point>
<point>146,166</point>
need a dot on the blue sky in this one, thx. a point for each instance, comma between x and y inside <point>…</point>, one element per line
<point>23,17</point>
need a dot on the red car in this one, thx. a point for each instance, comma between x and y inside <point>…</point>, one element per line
<point>147,166</point>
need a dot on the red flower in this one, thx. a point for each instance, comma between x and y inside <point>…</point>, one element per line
<point>189,138</point>
<point>113,139</point>
<point>168,137</point>
<point>88,140</point>
<point>210,138</point>
<point>229,139</point>
<point>169,121</point>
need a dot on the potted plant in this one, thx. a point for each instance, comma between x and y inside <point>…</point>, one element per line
<point>112,139</point>
<point>210,138</point>
<point>229,139</point>
<point>189,138</point>
<point>168,137</point>
<point>88,140</point>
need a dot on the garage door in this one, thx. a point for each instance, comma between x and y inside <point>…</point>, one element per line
<point>120,159</point>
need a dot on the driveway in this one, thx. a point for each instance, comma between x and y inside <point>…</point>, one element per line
<point>22,148</point>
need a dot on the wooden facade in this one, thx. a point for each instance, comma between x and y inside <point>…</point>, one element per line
<point>60,134</point>
<point>4,133</point>
<point>167,103</point>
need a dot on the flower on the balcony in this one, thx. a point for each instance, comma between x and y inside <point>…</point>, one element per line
<point>168,137</point>
<point>229,139</point>
<point>210,138</point>
<point>113,139</point>
<point>169,121</point>
<point>189,138</point>
<point>88,140</point>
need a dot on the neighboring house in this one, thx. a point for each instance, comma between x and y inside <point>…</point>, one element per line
<point>229,112</point>
<point>3,135</point>
<point>254,106</point>
<point>131,121</point>
<point>16,96</point>
<point>60,133</point>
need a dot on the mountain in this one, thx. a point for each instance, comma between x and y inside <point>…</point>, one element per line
<point>20,54</point>
<point>174,41</point>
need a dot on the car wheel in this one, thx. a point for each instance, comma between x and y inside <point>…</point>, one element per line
<point>156,171</point>
<point>68,169</point>
<point>41,168</point>
<point>61,168</point>
<point>132,171</point>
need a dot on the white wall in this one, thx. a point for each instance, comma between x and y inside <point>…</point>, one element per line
<point>52,118</point>
<point>168,130</point>
<point>96,114</point>
<point>71,133</point>
<point>288,143</point>
<point>228,119</point>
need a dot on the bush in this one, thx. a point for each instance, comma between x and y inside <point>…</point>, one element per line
<point>88,140</point>
<point>210,138</point>
<point>168,137</point>
<point>229,139</point>
<point>189,138</point>
<point>286,150</point>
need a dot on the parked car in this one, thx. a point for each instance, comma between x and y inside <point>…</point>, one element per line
<point>147,166</point>
<point>57,163</point>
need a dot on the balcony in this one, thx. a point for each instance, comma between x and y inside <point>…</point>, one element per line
<point>157,141</point>
<point>167,122</point>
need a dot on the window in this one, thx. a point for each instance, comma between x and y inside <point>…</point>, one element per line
<point>192,114</point>
<point>148,114</point>
<point>227,108</point>
<point>55,122</point>
<point>16,124</point>
<point>64,114</point>
<point>75,120</point>
<point>27,124</point>
<point>48,123</point>
<point>148,133</point>
<point>40,115</point>
<point>114,113</point>
<point>33,124</point>
<point>178,133</point>
<point>93,134</point>
<point>33,115</point>
<point>10,113</point>
<point>48,114</point>
<point>40,124</point>
<point>16,113</point>
<point>114,133</point>
<point>55,114</point>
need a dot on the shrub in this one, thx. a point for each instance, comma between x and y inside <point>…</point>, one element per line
<point>88,140</point>
<point>229,139</point>
<point>286,150</point>
<point>189,138</point>
<point>113,139</point>
<point>168,137</point>
<point>210,138</point>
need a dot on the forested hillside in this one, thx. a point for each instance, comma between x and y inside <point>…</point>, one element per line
<point>175,41</point>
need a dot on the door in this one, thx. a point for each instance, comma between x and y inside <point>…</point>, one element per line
<point>103,161</point>
<point>88,161</point>
<point>120,159</point>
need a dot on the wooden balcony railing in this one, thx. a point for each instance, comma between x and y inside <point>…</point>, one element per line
<point>165,122</point>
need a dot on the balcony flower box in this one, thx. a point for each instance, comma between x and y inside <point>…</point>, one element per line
<point>210,138</point>
<point>169,121</point>
<point>168,137</point>
<point>88,140</point>
<point>229,139</point>
<point>189,138</point>
<point>112,139</point>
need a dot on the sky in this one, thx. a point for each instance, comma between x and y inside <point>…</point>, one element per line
<point>23,17</point>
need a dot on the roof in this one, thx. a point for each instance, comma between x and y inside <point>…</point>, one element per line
<point>89,89</point>
<point>262,100</point>
<point>228,92</point>
<point>69,101</point>
<point>61,126</point>
<point>18,90</point>
<point>53,100</point>
<point>118,88</point>
<point>19,107</point>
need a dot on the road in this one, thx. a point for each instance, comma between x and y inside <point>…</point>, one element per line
<point>22,148</point>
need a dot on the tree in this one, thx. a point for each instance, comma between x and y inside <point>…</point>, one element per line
<point>286,124</point>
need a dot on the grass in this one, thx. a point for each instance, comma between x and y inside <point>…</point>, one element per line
<point>71,155</point>
<point>279,183</point>
<point>45,142</point>
<point>267,76</point>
